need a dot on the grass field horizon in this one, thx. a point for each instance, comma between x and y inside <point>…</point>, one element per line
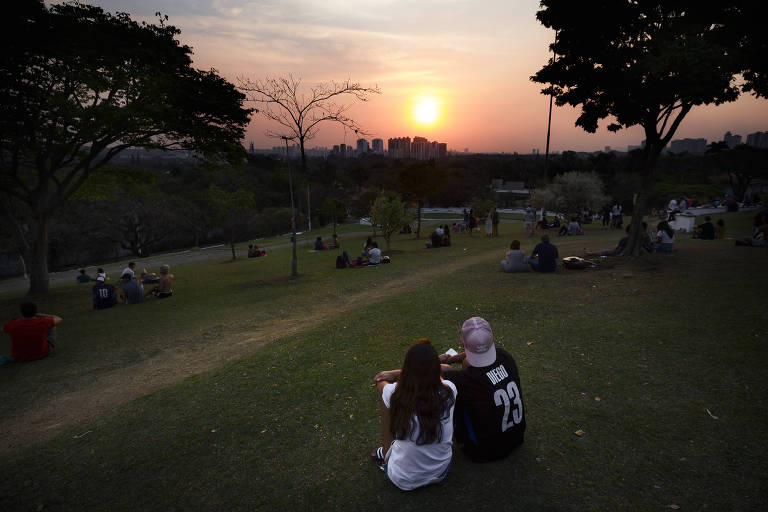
<point>659,361</point>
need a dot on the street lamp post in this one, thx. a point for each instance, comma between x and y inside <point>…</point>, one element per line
<point>294,262</point>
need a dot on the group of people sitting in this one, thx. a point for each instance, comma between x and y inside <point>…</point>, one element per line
<point>255,252</point>
<point>335,243</point>
<point>429,404</point>
<point>573,228</point>
<point>370,256</point>
<point>105,295</point>
<point>440,237</point>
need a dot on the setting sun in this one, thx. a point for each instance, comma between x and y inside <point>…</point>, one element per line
<point>426,111</point>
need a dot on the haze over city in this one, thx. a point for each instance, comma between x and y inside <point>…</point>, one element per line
<point>448,70</point>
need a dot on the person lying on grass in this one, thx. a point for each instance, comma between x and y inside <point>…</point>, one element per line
<point>489,420</point>
<point>32,336</point>
<point>165,287</point>
<point>416,420</point>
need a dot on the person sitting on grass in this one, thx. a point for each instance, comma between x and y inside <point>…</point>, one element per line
<point>130,269</point>
<point>620,247</point>
<point>148,277</point>
<point>574,228</point>
<point>544,256</point>
<point>374,254</point>
<point>445,240</point>
<point>335,242</point>
<point>164,288</point>
<point>367,246</point>
<point>516,261</point>
<point>83,277</point>
<point>435,239</point>
<point>416,420</point>
<point>720,229</point>
<point>319,245</point>
<point>104,294</point>
<point>489,421</point>
<point>33,336</point>
<point>705,230</point>
<point>133,291</point>
<point>759,236</point>
<point>665,237</point>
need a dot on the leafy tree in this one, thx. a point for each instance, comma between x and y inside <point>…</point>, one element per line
<point>743,164</point>
<point>335,210</point>
<point>389,215</point>
<point>649,66</point>
<point>572,192</point>
<point>420,180</point>
<point>67,107</point>
<point>233,211</point>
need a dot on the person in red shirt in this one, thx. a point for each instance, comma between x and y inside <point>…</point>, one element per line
<point>32,336</point>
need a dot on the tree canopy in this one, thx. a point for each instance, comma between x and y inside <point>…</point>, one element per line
<point>648,64</point>
<point>78,85</point>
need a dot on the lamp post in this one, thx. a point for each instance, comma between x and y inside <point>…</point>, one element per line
<point>294,263</point>
<point>549,122</point>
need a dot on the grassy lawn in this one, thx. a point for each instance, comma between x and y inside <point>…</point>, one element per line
<point>633,354</point>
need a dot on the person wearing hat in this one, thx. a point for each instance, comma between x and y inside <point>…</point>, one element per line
<point>104,294</point>
<point>164,287</point>
<point>489,417</point>
<point>489,420</point>
<point>133,290</point>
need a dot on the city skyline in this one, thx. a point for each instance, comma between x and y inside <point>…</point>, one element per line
<point>461,78</point>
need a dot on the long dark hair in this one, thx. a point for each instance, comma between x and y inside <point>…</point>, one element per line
<point>420,393</point>
<point>664,226</point>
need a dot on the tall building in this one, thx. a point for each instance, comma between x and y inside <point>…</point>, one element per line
<point>758,139</point>
<point>362,147</point>
<point>343,150</point>
<point>731,140</point>
<point>399,147</point>
<point>419,149</point>
<point>693,146</point>
<point>378,145</point>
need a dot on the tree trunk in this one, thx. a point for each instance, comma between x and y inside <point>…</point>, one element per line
<point>37,260</point>
<point>418,222</point>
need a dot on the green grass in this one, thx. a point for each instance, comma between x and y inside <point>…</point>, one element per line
<point>658,341</point>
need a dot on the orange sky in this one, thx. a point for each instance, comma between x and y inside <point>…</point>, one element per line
<point>474,57</point>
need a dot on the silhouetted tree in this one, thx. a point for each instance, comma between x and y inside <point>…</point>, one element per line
<point>648,66</point>
<point>389,215</point>
<point>78,86</point>
<point>298,111</point>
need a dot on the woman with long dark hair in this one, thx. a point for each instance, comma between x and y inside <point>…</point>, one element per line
<point>665,237</point>
<point>416,420</point>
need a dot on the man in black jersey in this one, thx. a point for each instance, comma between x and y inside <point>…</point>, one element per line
<point>489,419</point>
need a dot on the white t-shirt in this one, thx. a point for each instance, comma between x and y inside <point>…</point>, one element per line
<point>128,270</point>
<point>665,238</point>
<point>374,256</point>
<point>672,205</point>
<point>410,465</point>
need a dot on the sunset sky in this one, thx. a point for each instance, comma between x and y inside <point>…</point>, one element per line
<point>470,60</point>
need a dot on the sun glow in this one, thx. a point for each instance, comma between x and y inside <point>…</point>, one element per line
<point>426,111</point>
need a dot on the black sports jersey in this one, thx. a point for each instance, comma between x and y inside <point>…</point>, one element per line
<point>489,418</point>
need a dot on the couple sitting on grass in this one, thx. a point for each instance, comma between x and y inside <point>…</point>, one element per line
<point>426,405</point>
<point>543,257</point>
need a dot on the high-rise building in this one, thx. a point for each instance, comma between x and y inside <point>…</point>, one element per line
<point>399,147</point>
<point>731,140</point>
<point>378,145</point>
<point>343,150</point>
<point>758,139</point>
<point>420,148</point>
<point>693,146</point>
<point>362,147</point>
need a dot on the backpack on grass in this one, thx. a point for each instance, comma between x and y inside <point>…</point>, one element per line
<point>340,263</point>
<point>576,263</point>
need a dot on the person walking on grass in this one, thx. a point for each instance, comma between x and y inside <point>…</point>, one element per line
<point>495,217</point>
<point>32,336</point>
<point>488,223</point>
<point>416,420</point>
<point>529,217</point>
